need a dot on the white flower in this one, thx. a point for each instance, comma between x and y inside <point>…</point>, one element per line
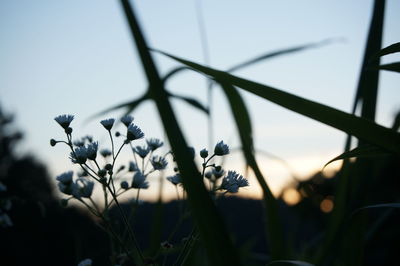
<point>158,162</point>
<point>142,151</point>
<point>91,150</point>
<point>154,143</point>
<point>134,132</point>
<point>233,181</point>
<point>66,188</point>
<point>79,155</point>
<point>85,262</point>
<point>127,120</point>
<point>105,153</point>
<point>133,167</point>
<point>221,149</point>
<point>64,120</point>
<point>65,178</point>
<point>139,181</point>
<point>83,140</point>
<point>82,188</point>
<point>79,143</point>
<point>175,179</point>
<point>107,123</point>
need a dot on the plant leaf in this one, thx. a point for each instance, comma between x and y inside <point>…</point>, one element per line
<point>395,67</point>
<point>193,102</point>
<point>359,127</point>
<point>213,232</point>
<point>384,205</point>
<point>241,115</point>
<point>394,48</point>
<point>366,98</point>
<point>279,53</point>
<point>130,106</point>
<point>173,72</point>
<point>361,151</point>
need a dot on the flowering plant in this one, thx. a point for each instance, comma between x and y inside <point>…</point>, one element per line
<point>112,179</point>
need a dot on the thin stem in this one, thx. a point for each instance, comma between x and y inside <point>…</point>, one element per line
<point>94,205</point>
<point>185,247</point>
<point>112,143</point>
<point>148,160</point>
<point>131,234</point>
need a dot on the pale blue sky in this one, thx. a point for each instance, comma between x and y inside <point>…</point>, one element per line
<point>77,57</point>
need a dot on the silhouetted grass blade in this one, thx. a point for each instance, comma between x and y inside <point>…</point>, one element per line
<point>367,88</point>
<point>243,124</point>
<point>366,96</point>
<point>277,53</point>
<point>209,222</point>
<point>365,150</point>
<point>391,49</point>
<point>130,106</point>
<point>384,205</point>
<point>193,102</point>
<point>359,127</point>
<point>391,67</point>
<point>173,72</point>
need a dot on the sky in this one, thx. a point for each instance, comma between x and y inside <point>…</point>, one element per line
<point>77,57</point>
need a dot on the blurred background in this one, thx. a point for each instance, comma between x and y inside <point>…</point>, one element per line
<point>77,57</point>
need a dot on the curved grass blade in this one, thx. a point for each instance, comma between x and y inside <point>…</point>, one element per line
<point>173,72</point>
<point>384,205</point>
<point>193,102</point>
<point>130,106</point>
<point>359,127</point>
<point>391,49</point>
<point>216,240</point>
<point>367,88</point>
<point>361,151</point>
<point>366,96</point>
<point>290,262</point>
<point>243,123</point>
<point>279,53</point>
<point>395,67</point>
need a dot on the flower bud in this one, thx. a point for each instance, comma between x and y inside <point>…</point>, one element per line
<point>221,149</point>
<point>68,130</point>
<point>124,185</point>
<point>53,142</point>
<point>108,167</point>
<point>204,153</point>
<point>102,173</point>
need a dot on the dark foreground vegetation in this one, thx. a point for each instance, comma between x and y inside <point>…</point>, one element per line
<point>359,228</point>
<point>44,233</point>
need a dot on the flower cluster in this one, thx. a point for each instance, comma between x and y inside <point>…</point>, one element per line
<point>80,188</point>
<point>231,182</point>
<point>84,153</point>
